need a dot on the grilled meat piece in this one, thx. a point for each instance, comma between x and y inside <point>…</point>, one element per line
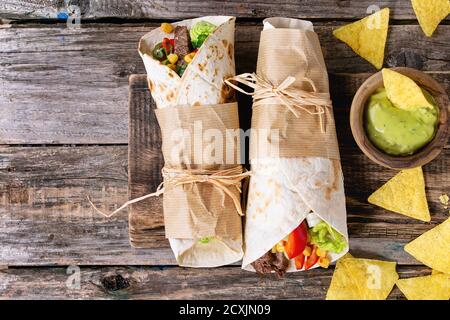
<point>271,262</point>
<point>263,265</point>
<point>280,263</point>
<point>182,42</point>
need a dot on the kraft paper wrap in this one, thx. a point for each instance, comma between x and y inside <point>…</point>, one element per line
<point>303,181</point>
<point>199,210</point>
<point>303,136</point>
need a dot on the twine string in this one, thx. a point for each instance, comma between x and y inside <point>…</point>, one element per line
<point>223,180</point>
<point>312,102</point>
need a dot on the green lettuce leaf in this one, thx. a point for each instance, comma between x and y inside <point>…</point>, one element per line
<point>326,238</point>
<point>200,31</point>
<point>205,240</point>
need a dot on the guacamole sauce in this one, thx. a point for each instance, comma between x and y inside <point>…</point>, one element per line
<point>396,131</point>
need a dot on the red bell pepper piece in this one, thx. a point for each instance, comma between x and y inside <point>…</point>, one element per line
<point>166,42</point>
<point>296,241</point>
<point>167,45</point>
<point>299,261</point>
<point>312,259</point>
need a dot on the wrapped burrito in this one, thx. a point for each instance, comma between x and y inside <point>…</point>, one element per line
<point>186,63</point>
<point>296,215</point>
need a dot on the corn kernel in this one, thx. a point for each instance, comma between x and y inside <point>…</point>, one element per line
<point>166,27</point>
<point>188,58</point>
<point>172,66</point>
<point>321,253</point>
<point>173,58</point>
<point>307,251</point>
<point>279,247</point>
<point>324,262</point>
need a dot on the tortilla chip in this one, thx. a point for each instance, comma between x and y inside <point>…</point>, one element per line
<point>434,287</point>
<point>430,13</point>
<point>367,37</point>
<point>403,92</point>
<point>404,194</point>
<point>432,248</point>
<point>347,255</point>
<point>435,272</point>
<point>362,279</point>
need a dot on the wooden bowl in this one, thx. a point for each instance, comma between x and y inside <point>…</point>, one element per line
<point>424,155</point>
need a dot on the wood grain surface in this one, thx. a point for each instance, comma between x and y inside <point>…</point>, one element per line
<point>170,283</point>
<point>159,9</point>
<point>64,134</point>
<point>145,162</point>
<point>43,196</point>
<point>43,190</point>
<point>63,86</point>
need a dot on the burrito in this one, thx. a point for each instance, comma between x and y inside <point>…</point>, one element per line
<point>296,215</point>
<point>186,63</point>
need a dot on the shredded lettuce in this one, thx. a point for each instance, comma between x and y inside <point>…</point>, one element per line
<point>326,238</point>
<point>200,31</point>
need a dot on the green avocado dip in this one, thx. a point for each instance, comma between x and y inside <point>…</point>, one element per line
<point>397,131</point>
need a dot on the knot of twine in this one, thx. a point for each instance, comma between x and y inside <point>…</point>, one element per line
<point>224,180</point>
<point>264,92</point>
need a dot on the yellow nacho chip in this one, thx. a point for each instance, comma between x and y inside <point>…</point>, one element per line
<point>435,272</point>
<point>433,287</point>
<point>362,279</point>
<point>433,247</point>
<point>367,37</point>
<point>404,194</point>
<point>347,255</point>
<point>403,92</point>
<point>430,13</point>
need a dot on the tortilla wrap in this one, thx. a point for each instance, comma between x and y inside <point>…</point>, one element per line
<point>284,190</point>
<point>201,84</point>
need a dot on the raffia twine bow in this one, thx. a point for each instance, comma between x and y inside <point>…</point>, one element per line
<point>223,180</point>
<point>264,92</point>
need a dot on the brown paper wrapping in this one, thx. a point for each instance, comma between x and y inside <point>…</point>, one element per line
<point>298,137</point>
<point>199,210</point>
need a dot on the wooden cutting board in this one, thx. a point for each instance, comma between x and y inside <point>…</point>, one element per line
<point>145,162</point>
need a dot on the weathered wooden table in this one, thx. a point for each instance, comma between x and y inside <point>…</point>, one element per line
<point>63,136</point>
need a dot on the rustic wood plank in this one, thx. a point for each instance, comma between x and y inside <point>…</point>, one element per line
<point>45,218</point>
<point>43,192</point>
<point>175,9</point>
<point>43,195</point>
<point>171,283</point>
<point>358,170</point>
<point>63,86</point>
<point>145,162</point>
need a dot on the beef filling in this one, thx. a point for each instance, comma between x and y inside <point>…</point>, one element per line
<point>281,263</point>
<point>182,42</point>
<point>271,262</point>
